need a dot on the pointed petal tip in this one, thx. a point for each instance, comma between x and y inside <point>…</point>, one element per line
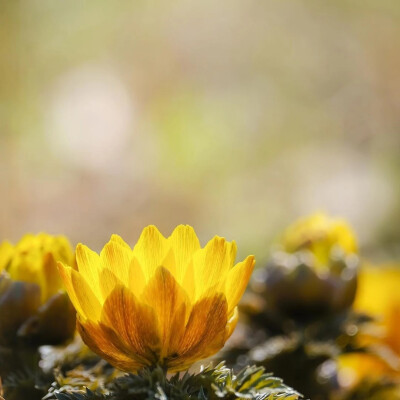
<point>118,239</point>
<point>61,267</point>
<point>182,228</point>
<point>151,230</point>
<point>80,248</point>
<point>251,259</point>
<point>151,227</point>
<point>222,239</point>
<point>64,270</point>
<point>114,238</point>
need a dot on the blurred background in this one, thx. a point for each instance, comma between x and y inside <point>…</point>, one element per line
<point>235,117</point>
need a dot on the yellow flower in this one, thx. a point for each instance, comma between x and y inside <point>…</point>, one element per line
<point>378,295</point>
<point>33,305</point>
<point>34,259</point>
<point>314,269</point>
<point>321,235</point>
<point>168,301</point>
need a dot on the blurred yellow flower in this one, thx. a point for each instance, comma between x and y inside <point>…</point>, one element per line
<point>34,259</point>
<point>322,235</point>
<point>314,269</point>
<point>33,304</point>
<point>168,301</point>
<point>378,295</point>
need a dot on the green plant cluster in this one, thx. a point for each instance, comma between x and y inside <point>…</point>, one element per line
<point>211,383</point>
<point>75,373</point>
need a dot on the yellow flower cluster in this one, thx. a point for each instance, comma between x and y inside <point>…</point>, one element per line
<point>168,301</point>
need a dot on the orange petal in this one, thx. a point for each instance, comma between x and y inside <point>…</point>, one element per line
<point>133,322</point>
<point>168,299</point>
<point>205,331</point>
<point>103,341</point>
<point>177,333</point>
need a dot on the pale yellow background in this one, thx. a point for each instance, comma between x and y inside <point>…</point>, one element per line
<point>233,116</point>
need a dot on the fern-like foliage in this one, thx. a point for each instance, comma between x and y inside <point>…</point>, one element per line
<point>211,383</point>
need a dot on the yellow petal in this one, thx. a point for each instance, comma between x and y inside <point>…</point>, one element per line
<point>168,262</point>
<point>237,281</point>
<point>89,266</point>
<point>134,323</point>
<point>137,279</point>
<point>108,282</point>
<point>117,258</point>
<point>212,264</point>
<point>150,250</point>
<point>166,297</point>
<point>184,243</point>
<point>65,273</point>
<point>232,248</point>
<point>88,301</point>
<point>189,282</point>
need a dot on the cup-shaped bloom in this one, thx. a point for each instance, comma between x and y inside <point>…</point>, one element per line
<point>168,301</point>
<point>33,304</point>
<point>315,270</point>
